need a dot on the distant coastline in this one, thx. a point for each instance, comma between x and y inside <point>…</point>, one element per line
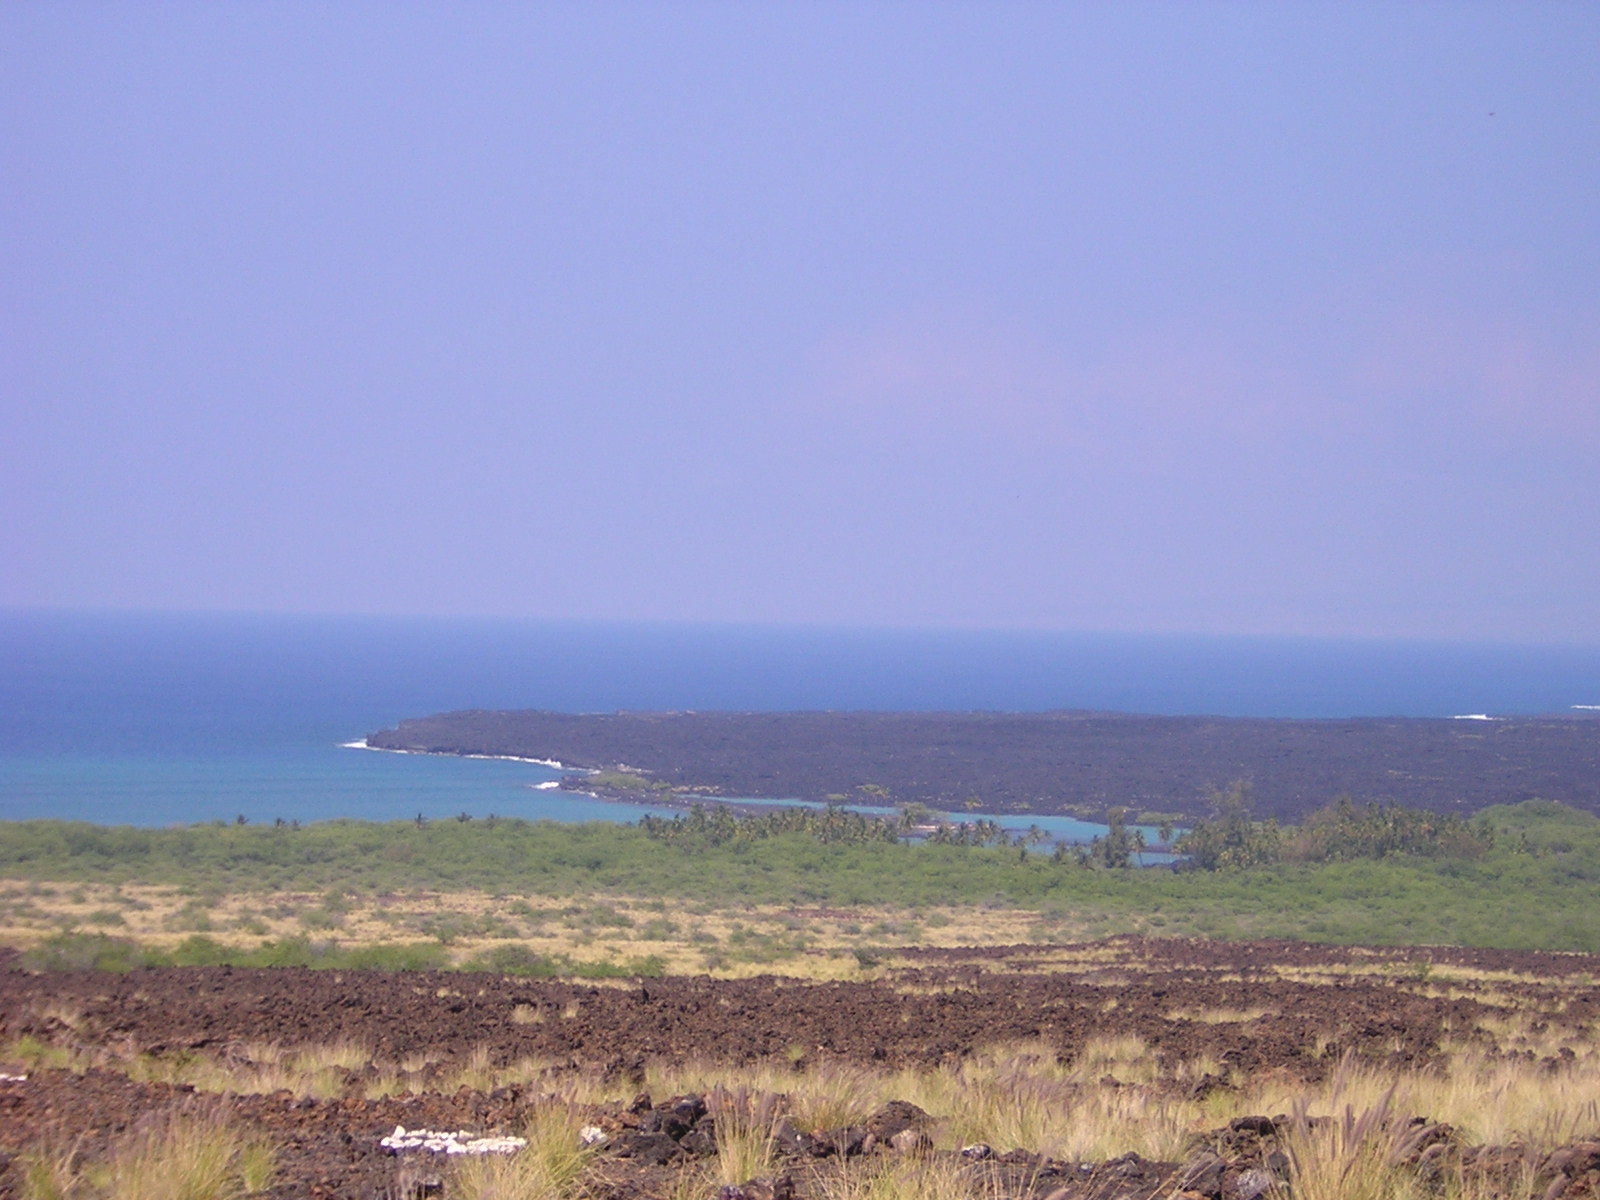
<point>172,718</point>
<point>1071,764</point>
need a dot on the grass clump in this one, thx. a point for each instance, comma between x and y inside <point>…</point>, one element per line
<point>745,1121</point>
<point>550,1166</point>
<point>1352,1156</point>
<point>176,1156</point>
<point>899,1179</point>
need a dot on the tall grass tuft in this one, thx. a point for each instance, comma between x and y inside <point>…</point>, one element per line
<point>257,1163</point>
<point>175,1156</point>
<point>833,1094</point>
<point>50,1173</point>
<point>899,1179</point>
<point>179,1159</point>
<point>745,1122</point>
<point>547,1168</point>
<point>1351,1156</point>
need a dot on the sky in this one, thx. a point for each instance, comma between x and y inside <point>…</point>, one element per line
<point>1250,318</point>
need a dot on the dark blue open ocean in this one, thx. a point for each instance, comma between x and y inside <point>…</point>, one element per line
<point>155,719</point>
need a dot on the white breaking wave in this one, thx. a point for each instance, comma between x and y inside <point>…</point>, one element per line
<point>1474,717</point>
<point>543,762</point>
<point>1588,707</point>
<point>553,764</point>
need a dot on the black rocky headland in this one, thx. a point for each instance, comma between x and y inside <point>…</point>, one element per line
<point>1076,763</point>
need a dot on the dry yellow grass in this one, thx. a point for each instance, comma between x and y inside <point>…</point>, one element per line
<point>727,943</point>
<point>1020,1095</point>
<point>183,1156</point>
<point>1540,1094</point>
<point>1218,1016</point>
<point>898,1179</point>
<point>550,1166</point>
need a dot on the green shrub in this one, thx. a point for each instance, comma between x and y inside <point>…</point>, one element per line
<point>75,951</point>
<point>404,956</point>
<point>651,966</point>
<point>515,960</point>
<point>201,950</point>
<point>1343,831</point>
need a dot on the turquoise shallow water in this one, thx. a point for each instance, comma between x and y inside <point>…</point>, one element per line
<point>159,719</point>
<point>307,784</point>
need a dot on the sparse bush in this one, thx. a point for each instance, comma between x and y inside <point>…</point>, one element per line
<point>658,929</point>
<point>1342,831</point>
<point>395,956</point>
<point>73,951</point>
<point>515,960</point>
<point>194,916</point>
<point>321,919</point>
<point>200,950</point>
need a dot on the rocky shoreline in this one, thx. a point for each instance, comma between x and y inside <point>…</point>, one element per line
<point>1067,763</point>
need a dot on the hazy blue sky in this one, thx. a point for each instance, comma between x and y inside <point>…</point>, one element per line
<point>1243,318</point>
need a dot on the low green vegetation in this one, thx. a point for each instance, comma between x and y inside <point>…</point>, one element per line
<point>1341,832</point>
<point>73,950</point>
<point>1526,876</point>
<point>718,826</point>
<point>625,781</point>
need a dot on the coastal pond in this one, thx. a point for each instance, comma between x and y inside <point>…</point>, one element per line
<point>541,799</point>
<point>1054,828</point>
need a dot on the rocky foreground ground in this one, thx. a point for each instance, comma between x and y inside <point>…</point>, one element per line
<point>1290,1012</point>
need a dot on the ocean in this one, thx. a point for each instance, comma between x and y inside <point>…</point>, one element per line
<point>157,719</point>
